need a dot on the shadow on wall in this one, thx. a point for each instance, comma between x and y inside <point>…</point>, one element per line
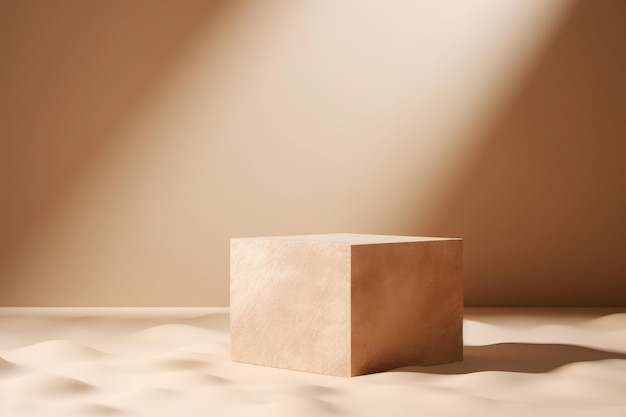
<point>542,207</point>
<point>106,54</point>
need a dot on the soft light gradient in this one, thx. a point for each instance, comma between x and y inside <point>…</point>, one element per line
<point>139,136</point>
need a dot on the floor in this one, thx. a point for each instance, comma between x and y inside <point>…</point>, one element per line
<point>175,362</point>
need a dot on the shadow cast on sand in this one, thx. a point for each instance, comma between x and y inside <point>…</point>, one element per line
<point>516,357</point>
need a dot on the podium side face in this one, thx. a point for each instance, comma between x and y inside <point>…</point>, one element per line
<point>407,305</point>
<point>290,304</point>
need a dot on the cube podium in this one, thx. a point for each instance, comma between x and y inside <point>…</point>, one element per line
<point>346,304</point>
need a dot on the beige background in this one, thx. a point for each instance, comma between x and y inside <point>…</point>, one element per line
<point>138,136</point>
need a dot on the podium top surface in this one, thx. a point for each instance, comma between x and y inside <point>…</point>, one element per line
<point>352,238</point>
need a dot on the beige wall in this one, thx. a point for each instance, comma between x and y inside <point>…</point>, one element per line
<point>138,136</point>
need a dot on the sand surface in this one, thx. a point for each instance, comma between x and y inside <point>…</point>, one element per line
<point>175,362</point>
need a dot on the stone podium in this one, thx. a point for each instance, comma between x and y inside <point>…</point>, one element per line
<point>346,304</point>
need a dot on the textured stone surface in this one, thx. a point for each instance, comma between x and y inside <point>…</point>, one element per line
<point>346,304</point>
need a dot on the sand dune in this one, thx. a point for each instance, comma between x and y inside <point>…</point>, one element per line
<point>179,363</point>
<point>609,322</point>
<point>7,368</point>
<point>51,351</point>
<point>174,333</point>
<point>166,362</point>
<point>95,409</point>
<point>40,385</point>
